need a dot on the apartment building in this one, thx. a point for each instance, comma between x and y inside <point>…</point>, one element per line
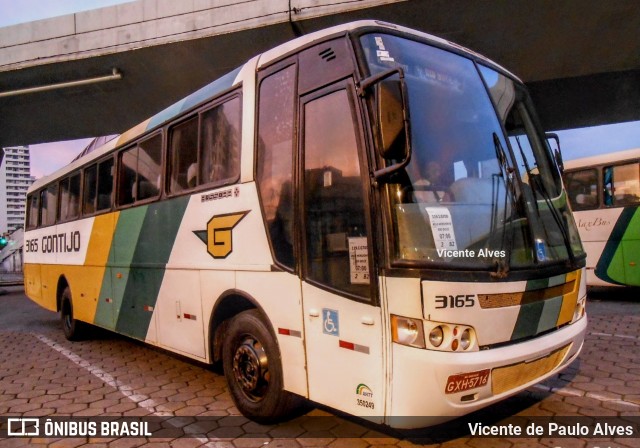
<point>15,179</point>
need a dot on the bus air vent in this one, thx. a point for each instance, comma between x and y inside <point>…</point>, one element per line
<point>328,54</point>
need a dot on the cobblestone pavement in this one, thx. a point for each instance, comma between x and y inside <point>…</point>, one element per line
<point>42,374</point>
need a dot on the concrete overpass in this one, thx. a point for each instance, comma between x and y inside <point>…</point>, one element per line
<point>580,58</point>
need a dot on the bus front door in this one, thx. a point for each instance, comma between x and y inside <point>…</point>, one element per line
<point>343,330</point>
<point>344,353</point>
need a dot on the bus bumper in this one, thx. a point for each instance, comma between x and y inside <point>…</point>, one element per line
<point>418,395</point>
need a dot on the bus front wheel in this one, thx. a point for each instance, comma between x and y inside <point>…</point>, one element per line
<point>72,328</point>
<point>253,370</point>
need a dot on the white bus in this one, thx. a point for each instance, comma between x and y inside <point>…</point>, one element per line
<point>367,217</point>
<point>604,192</point>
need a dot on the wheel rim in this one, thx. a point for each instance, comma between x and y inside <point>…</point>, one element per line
<point>251,368</point>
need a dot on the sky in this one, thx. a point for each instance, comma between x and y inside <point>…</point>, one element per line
<point>47,158</point>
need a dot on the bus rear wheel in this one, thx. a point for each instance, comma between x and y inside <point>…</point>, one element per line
<point>253,370</point>
<point>72,328</point>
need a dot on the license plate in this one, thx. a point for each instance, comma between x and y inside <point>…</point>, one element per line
<point>467,381</point>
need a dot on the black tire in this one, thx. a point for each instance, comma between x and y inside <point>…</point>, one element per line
<point>73,329</point>
<point>253,370</point>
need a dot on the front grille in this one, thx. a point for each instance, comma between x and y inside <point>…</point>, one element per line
<point>506,378</point>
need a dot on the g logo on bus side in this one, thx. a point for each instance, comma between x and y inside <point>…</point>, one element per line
<point>219,234</point>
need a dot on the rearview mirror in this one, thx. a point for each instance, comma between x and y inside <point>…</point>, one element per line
<point>391,121</point>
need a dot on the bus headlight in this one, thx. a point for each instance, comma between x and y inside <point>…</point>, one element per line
<point>407,331</point>
<point>465,339</point>
<point>436,336</point>
<point>442,337</point>
<point>445,337</point>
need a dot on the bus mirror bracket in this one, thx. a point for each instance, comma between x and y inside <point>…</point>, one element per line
<point>556,152</point>
<point>392,126</point>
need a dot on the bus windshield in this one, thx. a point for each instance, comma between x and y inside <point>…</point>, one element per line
<point>461,202</point>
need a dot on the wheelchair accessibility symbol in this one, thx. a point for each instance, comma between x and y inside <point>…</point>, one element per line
<point>330,322</point>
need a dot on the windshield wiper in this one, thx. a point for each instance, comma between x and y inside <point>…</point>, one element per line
<point>502,266</point>
<point>542,190</point>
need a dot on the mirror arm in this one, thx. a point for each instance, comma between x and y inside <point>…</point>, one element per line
<point>557,154</point>
<point>383,172</point>
<point>554,136</point>
<point>371,80</point>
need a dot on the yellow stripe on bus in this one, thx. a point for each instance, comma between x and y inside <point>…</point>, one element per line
<point>101,238</point>
<point>88,278</point>
<point>570,299</point>
<point>33,285</point>
<point>85,280</point>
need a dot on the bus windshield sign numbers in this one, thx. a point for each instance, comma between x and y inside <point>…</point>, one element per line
<point>330,322</point>
<point>442,228</point>
<point>359,260</point>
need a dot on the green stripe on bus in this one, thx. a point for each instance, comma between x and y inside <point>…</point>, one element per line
<point>540,283</point>
<point>152,250</point>
<point>528,320</point>
<point>550,313</point>
<point>557,280</point>
<point>125,238</point>
<point>631,244</point>
<point>610,266</point>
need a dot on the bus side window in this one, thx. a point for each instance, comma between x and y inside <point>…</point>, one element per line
<point>73,208</point>
<point>183,155</point>
<point>90,183</point>
<point>105,184</point>
<point>69,201</point>
<point>140,171</point>
<point>149,167</point>
<point>622,184</point>
<point>33,210</point>
<point>63,202</point>
<point>127,176</point>
<point>219,161</point>
<point>275,160</point>
<point>582,188</point>
<point>49,202</point>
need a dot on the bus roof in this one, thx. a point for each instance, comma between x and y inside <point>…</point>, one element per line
<point>602,159</point>
<point>212,89</point>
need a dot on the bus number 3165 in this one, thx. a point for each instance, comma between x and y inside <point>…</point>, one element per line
<point>459,301</point>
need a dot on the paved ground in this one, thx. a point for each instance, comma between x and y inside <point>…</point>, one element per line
<point>42,374</point>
